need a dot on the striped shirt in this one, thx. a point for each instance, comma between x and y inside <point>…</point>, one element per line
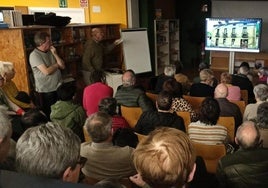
<point>207,134</point>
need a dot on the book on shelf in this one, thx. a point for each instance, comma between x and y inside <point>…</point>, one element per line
<point>13,18</point>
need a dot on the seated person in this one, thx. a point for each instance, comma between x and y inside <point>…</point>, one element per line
<point>128,94</point>
<point>125,137</point>
<point>262,123</point>
<point>202,66</point>
<point>33,117</point>
<point>20,98</point>
<point>178,102</point>
<point>234,92</point>
<point>204,87</point>
<point>109,106</point>
<point>67,113</point>
<point>94,92</point>
<point>104,159</point>
<point>206,130</point>
<point>166,158</point>
<point>262,75</point>
<point>49,151</point>
<point>247,167</point>
<point>152,119</point>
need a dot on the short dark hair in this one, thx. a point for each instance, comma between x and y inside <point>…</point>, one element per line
<point>209,111</point>
<point>164,100</point>
<point>108,105</point>
<point>98,76</point>
<point>33,117</point>
<point>66,91</point>
<point>173,87</point>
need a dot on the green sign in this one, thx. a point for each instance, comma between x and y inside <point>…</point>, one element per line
<point>63,4</point>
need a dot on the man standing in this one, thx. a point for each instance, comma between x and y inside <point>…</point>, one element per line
<point>94,53</point>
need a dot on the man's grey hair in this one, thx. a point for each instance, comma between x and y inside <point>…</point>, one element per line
<point>47,150</point>
<point>5,123</point>
<point>170,70</point>
<point>243,70</point>
<point>261,91</point>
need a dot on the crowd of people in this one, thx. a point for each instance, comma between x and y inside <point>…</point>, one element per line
<point>42,141</point>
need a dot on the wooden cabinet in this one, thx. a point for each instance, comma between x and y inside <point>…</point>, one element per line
<point>167,43</point>
<point>17,43</point>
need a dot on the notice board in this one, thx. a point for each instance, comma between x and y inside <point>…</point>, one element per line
<point>136,50</point>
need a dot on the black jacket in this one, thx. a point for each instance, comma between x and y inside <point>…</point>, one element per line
<point>244,169</point>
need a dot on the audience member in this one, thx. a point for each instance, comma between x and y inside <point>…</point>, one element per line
<point>67,113</point>
<point>33,117</point>
<point>97,90</point>
<point>227,108</point>
<point>241,80</point>
<point>169,73</point>
<point>109,183</point>
<point>204,87</point>
<point>234,92</point>
<point>166,158</point>
<point>94,53</point>
<point>178,102</point>
<point>109,106</point>
<point>46,65</point>
<point>262,123</point>
<point>261,94</point>
<point>247,167</point>
<point>262,75</point>
<point>20,98</point>
<point>200,68</point>
<point>246,68</point>
<point>163,117</point>
<point>125,137</point>
<point>128,94</point>
<point>104,159</point>
<point>182,79</point>
<point>50,150</point>
<point>206,130</point>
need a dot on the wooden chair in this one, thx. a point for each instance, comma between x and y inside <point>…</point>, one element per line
<point>194,101</point>
<point>211,154</point>
<point>86,135</point>
<point>244,95</point>
<point>241,105</point>
<point>186,117</point>
<point>152,96</point>
<point>131,114</point>
<point>229,123</point>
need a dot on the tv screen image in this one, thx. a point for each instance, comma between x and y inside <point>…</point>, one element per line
<point>233,34</point>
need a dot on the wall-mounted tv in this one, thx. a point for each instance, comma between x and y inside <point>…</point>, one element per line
<point>233,34</point>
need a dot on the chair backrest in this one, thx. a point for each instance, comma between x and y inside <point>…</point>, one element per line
<point>194,101</point>
<point>152,96</point>
<point>211,154</point>
<point>229,123</point>
<point>241,105</point>
<point>86,135</point>
<point>186,117</point>
<point>244,95</point>
<point>131,114</point>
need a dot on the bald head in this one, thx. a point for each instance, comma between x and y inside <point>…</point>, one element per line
<point>128,78</point>
<point>221,91</point>
<point>247,135</point>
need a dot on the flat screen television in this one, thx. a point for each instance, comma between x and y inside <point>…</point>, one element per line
<point>233,34</point>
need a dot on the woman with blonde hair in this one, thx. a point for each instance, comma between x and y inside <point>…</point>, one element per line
<point>234,92</point>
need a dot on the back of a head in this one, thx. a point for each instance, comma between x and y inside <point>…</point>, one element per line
<point>98,76</point>
<point>221,91</point>
<point>261,92</point>
<point>209,111</point>
<point>164,100</point>
<point>66,91</point>
<point>5,134</point>
<point>47,150</point>
<point>206,74</point>
<point>263,71</point>
<point>173,87</point>
<point>262,117</point>
<point>129,78</point>
<point>203,66</point>
<point>244,64</point>
<point>170,70</point>
<point>108,105</point>
<point>109,183</point>
<point>243,70</point>
<point>165,158</point>
<point>248,135</point>
<point>99,126</point>
<point>226,78</point>
<point>33,117</point>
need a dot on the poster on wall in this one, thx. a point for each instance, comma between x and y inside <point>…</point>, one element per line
<point>83,3</point>
<point>63,4</point>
